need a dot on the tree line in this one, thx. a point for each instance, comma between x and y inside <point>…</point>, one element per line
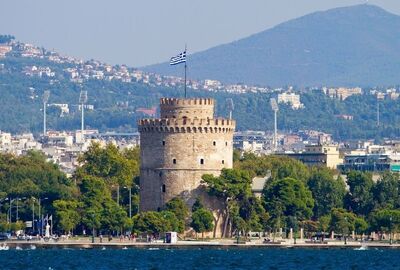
<point>103,196</point>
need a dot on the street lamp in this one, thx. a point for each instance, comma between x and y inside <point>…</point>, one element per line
<point>295,229</point>
<point>347,228</point>
<point>117,185</point>
<point>390,228</point>
<point>1,202</point>
<point>130,201</point>
<point>19,199</point>
<point>40,228</point>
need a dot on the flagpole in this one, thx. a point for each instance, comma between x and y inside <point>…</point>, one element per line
<point>185,72</point>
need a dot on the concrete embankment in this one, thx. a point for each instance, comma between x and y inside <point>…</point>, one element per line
<point>193,244</point>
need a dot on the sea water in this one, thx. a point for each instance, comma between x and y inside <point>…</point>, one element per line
<point>200,258</point>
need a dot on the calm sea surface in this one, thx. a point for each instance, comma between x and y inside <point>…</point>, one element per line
<point>207,258</point>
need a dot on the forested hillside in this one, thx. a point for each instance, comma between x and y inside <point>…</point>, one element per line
<point>115,104</point>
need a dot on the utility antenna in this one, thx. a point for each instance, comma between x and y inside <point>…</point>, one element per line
<point>83,97</point>
<point>230,106</point>
<point>275,108</point>
<point>45,99</point>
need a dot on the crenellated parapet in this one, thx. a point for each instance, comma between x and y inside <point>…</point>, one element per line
<point>219,125</point>
<point>186,102</point>
<point>187,108</point>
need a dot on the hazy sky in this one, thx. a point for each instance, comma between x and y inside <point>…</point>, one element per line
<point>141,32</point>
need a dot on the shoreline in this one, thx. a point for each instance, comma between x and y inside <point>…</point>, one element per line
<point>13,244</point>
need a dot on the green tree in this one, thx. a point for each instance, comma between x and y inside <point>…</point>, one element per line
<point>328,192</point>
<point>150,222</point>
<point>181,211</point>
<point>345,222</point>
<point>360,196</point>
<point>109,164</point>
<point>230,186</point>
<point>197,204</point>
<point>385,220</point>
<point>202,221</point>
<point>67,215</point>
<point>288,197</point>
<point>99,210</point>
<point>386,191</point>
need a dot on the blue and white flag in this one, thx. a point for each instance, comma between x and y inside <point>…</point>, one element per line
<point>180,58</point>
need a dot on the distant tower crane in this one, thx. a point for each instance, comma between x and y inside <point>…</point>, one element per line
<point>274,107</point>
<point>83,97</point>
<point>45,99</point>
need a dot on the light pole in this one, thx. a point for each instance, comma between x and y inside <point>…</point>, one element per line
<point>19,199</point>
<point>10,210</point>
<point>347,228</point>
<point>33,215</point>
<point>45,99</point>
<point>295,229</point>
<point>275,108</point>
<point>83,97</point>
<point>390,228</point>
<point>1,201</point>
<point>130,201</point>
<point>40,217</point>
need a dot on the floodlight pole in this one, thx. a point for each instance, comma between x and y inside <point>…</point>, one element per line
<point>46,96</point>
<point>275,131</point>
<point>82,120</point>
<point>44,118</point>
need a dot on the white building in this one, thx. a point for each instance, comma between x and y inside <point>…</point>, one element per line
<point>292,99</point>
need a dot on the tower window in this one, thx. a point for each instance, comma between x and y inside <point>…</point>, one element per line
<point>202,161</point>
<point>163,142</point>
<point>223,161</point>
<point>214,143</point>
<point>174,161</point>
<point>163,188</point>
<point>226,143</point>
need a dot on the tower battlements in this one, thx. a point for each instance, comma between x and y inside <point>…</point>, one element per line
<point>187,108</point>
<point>187,125</point>
<point>188,101</point>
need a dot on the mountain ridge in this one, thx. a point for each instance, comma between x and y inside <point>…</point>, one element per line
<point>352,46</point>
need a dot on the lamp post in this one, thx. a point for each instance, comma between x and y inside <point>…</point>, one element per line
<point>40,217</point>
<point>1,202</point>
<point>19,199</point>
<point>130,201</point>
<point>33,215</point>
<point>347,228</point>
<point>10,210</point>
<point>390,228</point>
<point>92,215</point>
<point>295,229</point>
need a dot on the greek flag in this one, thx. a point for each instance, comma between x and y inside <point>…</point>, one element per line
<point>180,58</point>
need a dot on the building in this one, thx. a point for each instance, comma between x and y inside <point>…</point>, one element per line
<point>371,162</point>
<point>318,155</point>
<point>178,148</point>
<point>342,93</point>
<point>258,184</point>
<point>292,99</point>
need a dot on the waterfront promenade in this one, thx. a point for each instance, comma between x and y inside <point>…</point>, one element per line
<point>222,243</point>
